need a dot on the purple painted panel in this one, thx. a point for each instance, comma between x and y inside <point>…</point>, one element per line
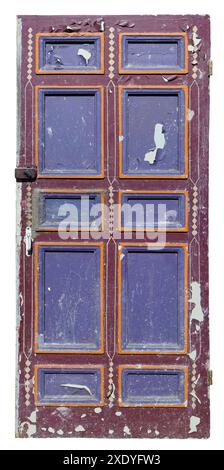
<point>69,131</point>
<point>153,211</point>
<point>153,132</point>
<point>152,299</point>
<point>80,210</point>
<point>69,385</point>
<point>69,53</point>
<point>153,53</point>
<point>69,298</point>
<point>153,386</point>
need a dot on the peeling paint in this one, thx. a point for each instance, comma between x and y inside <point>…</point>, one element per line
<point>118,413</point>
<point>194,422</point>
<point>60,432</point>
<point>79,387</point>
<point>127,431</point>
<point>30,428</point>
<point>98,410</point>
<point>51,430</point>
<point>83,415</point>
<point>85,54</point>
<point>79,428</point>
<point>160,142</point>
<point>191,114</point>
<point>33,417</point>
<point>197,312</point>
<point>50,131</point>
<point>192,355</point>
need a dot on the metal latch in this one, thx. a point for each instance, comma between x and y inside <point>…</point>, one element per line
<point>210,68</point>
<point>25,174</point>
<point>210,377</point>
<point>28,241</point>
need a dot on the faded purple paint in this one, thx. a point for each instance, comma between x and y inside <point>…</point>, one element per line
<point>64,53</point>
<point>152,386</point>
<point>58,385</point>
<point>154,211</point>
<point>153,53</point>
<point>152,299</point>
<point>69,298</point>
<point>150,422</point>
<point>75,211</point>
<point>142,111</point>
<point>69,131</point>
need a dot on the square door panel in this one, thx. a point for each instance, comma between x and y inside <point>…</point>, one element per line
<point>67,209</point>
<point>153,132</point>
<point>62,53</point>
<point>69,297</point>
<point>154,210</point>
<point>152,298</point>
<point>153,53</point>
<point>153,386</point>
<point>69,132</point>
<point>69,385</point>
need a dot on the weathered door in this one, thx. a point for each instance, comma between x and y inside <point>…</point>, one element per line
<point>112,228</point>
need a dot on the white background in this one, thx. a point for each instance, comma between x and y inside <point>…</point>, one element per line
<point>7,208</point>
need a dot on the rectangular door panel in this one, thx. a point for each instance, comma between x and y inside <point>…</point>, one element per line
<point>69,298</point>
<point>153,306</point>
<point>69,53</point>
<point>69,131</point>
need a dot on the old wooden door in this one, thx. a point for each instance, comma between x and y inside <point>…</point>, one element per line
<point>112,228</point>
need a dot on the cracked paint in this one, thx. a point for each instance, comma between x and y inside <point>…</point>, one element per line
<point>98,410</point>
<point>127,431</point>
<point>190,115</point>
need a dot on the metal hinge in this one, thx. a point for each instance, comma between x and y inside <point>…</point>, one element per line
<point>210,377</point>
<point>210,68</point>
<point>28,241</point>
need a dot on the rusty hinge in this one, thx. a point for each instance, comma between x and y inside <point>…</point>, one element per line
<point>210,377</point>
<point>25,174</point>
<point>210,67</point>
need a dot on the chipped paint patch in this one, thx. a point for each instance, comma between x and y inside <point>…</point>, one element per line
<point>127,431</point>
<point>98,410</point>
<point>111,431</point>
<point>160,142</point>
<point>194,422</point>
<point>197,312</point>
<point>85,54</point>
<point>157,432</point>
<point>121,138</point>
<point>190,115</point>
<point>79,428</point>
<point>118,413</point>
<point>51,430</point>
<point>192,355</point>
<point>79,387</point>
<point>60,432</point>
<point>50,131</point>
<point>83,415</point>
